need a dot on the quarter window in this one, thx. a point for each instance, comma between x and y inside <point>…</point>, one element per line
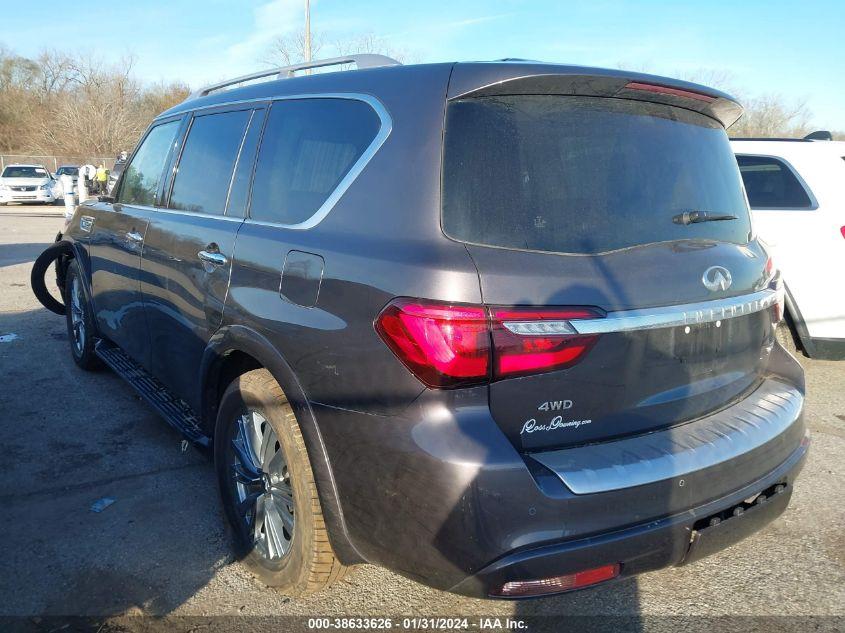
<point>771,184</point>
<point>205,168</point>
<point>308,146</point>
<point>140,182</point>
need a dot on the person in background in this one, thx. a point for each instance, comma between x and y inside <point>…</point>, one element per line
<point>102,179</point>
<point>88,172</point>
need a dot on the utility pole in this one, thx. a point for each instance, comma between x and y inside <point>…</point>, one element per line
<point>307,30</point>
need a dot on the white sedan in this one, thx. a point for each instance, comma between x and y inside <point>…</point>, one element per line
<point>26,184</point>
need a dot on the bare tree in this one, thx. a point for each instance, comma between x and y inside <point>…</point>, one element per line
<point>287,50</point>
<point>368,43</point>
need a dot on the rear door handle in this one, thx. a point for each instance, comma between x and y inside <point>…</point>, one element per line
<point>216,259</point>
<point>134,236</point>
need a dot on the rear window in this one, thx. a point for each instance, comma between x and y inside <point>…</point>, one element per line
<point>585,174</point>
<point>205,168</point>
<point>308,146</point>
<point>771,184</point>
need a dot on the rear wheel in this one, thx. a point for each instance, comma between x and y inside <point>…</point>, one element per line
<point>786,337</point>
<point>268,491</point>
<point>80,320</point>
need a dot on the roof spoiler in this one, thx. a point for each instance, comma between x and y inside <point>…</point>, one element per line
<point>490,79</point>
<point>286,72</point>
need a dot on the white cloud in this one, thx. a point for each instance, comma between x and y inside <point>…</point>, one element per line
<point>270,20</point>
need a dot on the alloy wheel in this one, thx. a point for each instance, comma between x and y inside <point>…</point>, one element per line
<point>262,485</point>
<point>77,319</point>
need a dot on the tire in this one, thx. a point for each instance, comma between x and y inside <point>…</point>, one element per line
<point>786,337</point>
<point>39,270</point>
<point>257,440</point>
<point>80,321</point>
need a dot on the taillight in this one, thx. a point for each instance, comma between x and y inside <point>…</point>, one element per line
<point>449,345</point>
<point>557,584</point>
<point>443,345</point>
<point>774,282</point>
<point>529,341</point>
<point>842,230</point>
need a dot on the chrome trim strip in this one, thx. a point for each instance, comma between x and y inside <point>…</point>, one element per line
<point>381,136</point>
<point>664,316</point>
<point>762,417</point>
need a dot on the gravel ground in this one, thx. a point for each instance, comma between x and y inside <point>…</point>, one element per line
<point>70,438</point>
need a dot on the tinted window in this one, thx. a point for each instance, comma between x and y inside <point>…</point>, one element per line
<point>308,146</point>
<point>140,182</point>
<point>770,184</point>
<point>243,171</point>
<point>205,168</point>
<point>585,174</point>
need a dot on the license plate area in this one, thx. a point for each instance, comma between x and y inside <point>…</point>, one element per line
<point>718,531</point>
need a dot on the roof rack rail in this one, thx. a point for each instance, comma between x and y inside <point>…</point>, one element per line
<point>367,60</point>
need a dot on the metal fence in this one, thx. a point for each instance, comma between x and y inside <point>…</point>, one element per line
<point>52,163</point>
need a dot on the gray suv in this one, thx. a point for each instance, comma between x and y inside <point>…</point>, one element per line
<point>504,328</point>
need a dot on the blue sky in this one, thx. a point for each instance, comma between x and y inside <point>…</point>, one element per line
<point>796,49</point>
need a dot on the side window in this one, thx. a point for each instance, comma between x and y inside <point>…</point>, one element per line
<point>308,146</point>
<point>205,169</point>
<point>771,184</point>
<point>140,182</point>
<point>243,170</point>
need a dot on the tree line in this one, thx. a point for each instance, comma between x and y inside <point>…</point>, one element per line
<point>66,105</point>
<point>58,104</point>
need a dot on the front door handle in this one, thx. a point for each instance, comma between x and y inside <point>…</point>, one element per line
<point>215,259</point>
<point>134,236</point>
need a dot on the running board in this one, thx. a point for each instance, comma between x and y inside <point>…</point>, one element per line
<point>173,409</point>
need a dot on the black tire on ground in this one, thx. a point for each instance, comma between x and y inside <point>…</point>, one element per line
<point>310,564</point>
<point>786,337</point>
<point>80,321</point>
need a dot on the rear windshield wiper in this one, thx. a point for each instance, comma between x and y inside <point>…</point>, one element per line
<point>694,217</point>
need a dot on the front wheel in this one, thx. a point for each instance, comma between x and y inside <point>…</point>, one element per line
<point>268,490</point>
<point>80,320</point>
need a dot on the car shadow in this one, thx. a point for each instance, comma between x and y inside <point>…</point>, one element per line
<point>11,254</point>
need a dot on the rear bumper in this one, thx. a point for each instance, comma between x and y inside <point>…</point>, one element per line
<point>676,540</point>
<point>439,494</point>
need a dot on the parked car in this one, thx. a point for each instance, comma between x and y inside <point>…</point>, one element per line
<point>504,328</point>
<point>26,183</point>
<point>70,170</point>
<point>797,199</point>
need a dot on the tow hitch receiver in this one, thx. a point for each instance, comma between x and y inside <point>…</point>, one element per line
<point>721,530</point>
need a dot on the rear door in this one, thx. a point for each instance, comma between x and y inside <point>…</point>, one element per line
<point>189,244</point>
<point>117,238</point>
<point>585,212</point>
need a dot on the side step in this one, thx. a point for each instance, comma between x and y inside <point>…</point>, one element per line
<point>174,410</point>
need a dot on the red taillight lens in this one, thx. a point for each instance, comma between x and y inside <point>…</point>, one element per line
<point>530,341</point>
<point>557,584</point>
<point>666,90</point>
<point>447,345</point>
<point>443,345</point>
<point>842,230</point>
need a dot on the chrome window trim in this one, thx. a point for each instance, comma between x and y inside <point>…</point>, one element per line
<point>659,317</point>
<point>384,131</point>
<point>814,204</point>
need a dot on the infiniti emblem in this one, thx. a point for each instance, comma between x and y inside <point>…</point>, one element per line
<point>716,278</point>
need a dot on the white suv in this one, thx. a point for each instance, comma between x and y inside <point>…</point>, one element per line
<point>796,192</point>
